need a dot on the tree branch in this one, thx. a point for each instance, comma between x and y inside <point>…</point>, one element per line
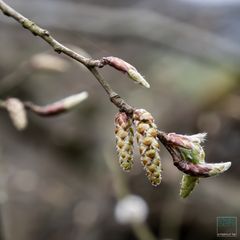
<point>91,64</point>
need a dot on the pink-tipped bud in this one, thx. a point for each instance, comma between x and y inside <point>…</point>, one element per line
<point>125,67</point>
<point>58,107</point>
<point>188,155</point>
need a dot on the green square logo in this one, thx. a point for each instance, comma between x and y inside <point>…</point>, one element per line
<point>227,226</point>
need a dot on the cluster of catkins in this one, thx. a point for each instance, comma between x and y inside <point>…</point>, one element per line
<point>141,124</point>
<point>187,153</point>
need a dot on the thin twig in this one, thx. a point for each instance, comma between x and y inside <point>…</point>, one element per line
<point>91,64</point>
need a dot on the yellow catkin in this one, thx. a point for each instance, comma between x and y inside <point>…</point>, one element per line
<point>148,145</point>
<point>124,140</point>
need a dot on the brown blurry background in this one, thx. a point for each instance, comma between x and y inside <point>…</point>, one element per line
<point>58,178</point>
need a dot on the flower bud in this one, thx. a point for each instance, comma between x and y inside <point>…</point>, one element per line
<point>125,67</point>
<point>73,100</point>
<point>124,140</point>
<point>188,155</point>
<point>59,107</point>
<point>148,145</point>
<point>17,113</point>
<point>137,77</point>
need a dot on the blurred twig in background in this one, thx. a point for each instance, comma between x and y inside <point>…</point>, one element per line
<point>153,28</point>
<point>39,62</point>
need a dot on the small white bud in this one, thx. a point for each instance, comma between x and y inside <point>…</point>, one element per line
<point>74,100</point>
<point>17,113</point>
<point>125,67</point>
<point>137,77</point>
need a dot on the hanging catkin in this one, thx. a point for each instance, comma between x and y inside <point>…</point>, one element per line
<point>148,145</point>
<point>124,140</point>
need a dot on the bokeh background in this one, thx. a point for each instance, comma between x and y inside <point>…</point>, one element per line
<point>59,179</point>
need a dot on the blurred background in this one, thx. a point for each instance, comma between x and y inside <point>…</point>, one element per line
<point>60,179</point>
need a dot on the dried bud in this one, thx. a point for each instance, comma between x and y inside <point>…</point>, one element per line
<point>187,185</point>
<point>189,156</point>
<point>17,113</point>
<point>124,140</point>
<point>148,145</point>
<point>125,67</point>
